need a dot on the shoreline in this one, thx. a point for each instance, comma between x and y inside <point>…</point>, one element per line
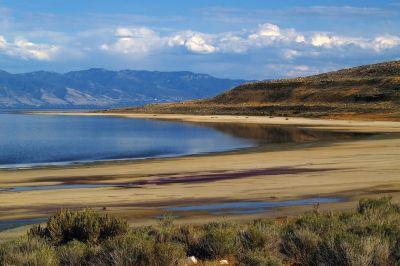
<point>91,163</point>
<point>349,169</point>
<point>319,124</point>
<point>333,124</point>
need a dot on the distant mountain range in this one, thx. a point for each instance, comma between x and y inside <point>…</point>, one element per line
<point>365,92</point>
<point>100,88</point>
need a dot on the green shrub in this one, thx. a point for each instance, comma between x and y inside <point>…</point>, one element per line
<point>369,235</point>
<point>27,251</point>
<point>189,236</point>
<point>219,240</point>
<point>77,253</point>
<point>347,249</point>
<point>383,228</point>
<point>140,248</point>
<point>131,249</point>
<point>320,224</point>
<point>260,235</point>
<point>300,245</point>
<point>166,220</point>
<point>165,231</point>
<point>395,250</point>
<point>168,253</point>
<point>259,258</point>
<point>374,208</point>
<point>376,218</point>
<point>86,226</point>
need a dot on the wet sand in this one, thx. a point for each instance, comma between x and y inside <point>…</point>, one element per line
<point>141,190</point>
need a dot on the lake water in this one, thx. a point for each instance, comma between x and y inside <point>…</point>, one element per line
<point>249,207</point>
<point>39,140</point>
<point>33,140</point>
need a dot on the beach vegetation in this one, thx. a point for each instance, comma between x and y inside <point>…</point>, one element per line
<point>366,235</point>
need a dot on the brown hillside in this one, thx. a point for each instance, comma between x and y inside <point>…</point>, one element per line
<point>371,91</point>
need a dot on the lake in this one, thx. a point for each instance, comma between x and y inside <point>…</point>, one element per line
<point>34,140</point>
<point>40,140</point>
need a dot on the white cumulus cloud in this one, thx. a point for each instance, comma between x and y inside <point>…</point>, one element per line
<point>268,34</point>
<point>25,49</point>
<point>193,41</point>
<point>377,44</point>
<point>138,41</point>
<point>269,30</point>
<point>283,43</point>
<point>385,42</point>
<point>329,41</point>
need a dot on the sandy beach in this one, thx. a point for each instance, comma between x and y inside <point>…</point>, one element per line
<point>350,170</point>
<point>332,124</point>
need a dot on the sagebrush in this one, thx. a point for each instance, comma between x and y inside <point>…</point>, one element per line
<point>368,235</point>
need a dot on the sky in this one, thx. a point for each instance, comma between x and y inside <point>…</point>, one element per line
<point>250,39</point>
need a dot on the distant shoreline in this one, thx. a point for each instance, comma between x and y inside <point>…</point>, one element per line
<point>333,124</point>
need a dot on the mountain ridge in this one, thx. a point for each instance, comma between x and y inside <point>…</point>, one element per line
<point>102,88</point>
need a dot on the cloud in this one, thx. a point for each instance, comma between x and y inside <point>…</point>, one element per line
<point>269,33</point>
<point>231,49</point>
<point>144,40</point>
<point>232,43</point>
<point>3,42</point>
<point>269,30</point>
<point>267,50</point>
<point>377,44</point>
<point>137,41</point>
<point>290,54</point>
<point>385,42</point>
<point>292,70</point>
<point>193,41</point>
<point>300,70</point>
<point>329,41</point>
<point>25,49</point>
<point>267,40</point>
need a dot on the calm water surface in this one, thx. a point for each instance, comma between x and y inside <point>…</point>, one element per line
<point>39,140</point>
<point>250,207</point>
<point>33,140</point>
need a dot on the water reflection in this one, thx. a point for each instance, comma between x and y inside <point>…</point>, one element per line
<point>267,134</point>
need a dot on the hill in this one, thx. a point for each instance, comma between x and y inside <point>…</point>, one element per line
<point>370,91</point>
<point>100,88</point>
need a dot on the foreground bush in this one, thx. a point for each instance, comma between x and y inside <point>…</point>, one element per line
<point>259,258</point>
<point>369,235</point>
<point>76,253</point>
<point>86,226</point>
<point>219,240</point>
<point>132,249</point>
<point>28,251</point>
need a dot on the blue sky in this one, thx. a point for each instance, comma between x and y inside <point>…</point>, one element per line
<point>239,39</point>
